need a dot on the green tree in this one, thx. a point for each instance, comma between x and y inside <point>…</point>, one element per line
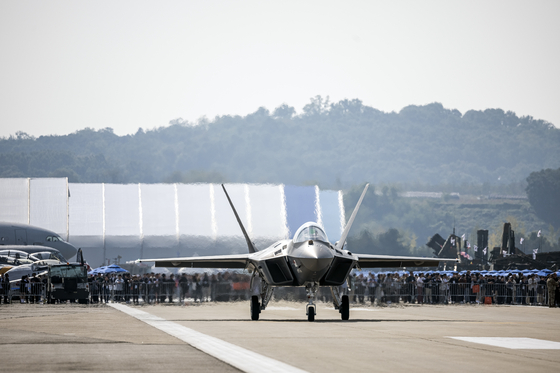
<point>543,191</point>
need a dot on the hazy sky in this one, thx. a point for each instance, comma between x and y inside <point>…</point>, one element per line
<point>67,65</point>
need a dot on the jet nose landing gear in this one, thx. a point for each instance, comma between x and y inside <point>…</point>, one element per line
<point>310,309</point>
<point>310,312</point>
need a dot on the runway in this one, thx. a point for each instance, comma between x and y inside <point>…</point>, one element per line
<point>387,339</point>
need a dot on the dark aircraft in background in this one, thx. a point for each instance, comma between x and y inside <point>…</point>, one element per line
<point>309,260</point>
<point>26,236</point>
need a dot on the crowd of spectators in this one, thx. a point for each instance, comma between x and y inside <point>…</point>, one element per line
<point>156,288</point>
<point>28,288</point>
<point>453,288</point>
<point>374,288</point>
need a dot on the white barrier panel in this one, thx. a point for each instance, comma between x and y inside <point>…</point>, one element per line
<point>86,220</point>
<point>122,222</point>
<point>160,218</point>
<point>159,212</point>
<point>14,200</point>
<point>195,210</point>
<point>268,213</point>
<point>331,214</point>
<point>122,210</point>
<point>49,204</point>
<point>226,223</point>
<point>86,210</point>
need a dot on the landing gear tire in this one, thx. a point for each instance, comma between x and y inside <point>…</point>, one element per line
<point>255,307</point>
<point>345,308</point>
<point>311,314</point>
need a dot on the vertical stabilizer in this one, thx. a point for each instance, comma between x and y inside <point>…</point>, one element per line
<point>342,240</point>
<point>250,245</point>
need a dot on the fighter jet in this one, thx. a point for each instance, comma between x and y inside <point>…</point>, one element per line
<point>28,236</point>
<point>308,260</point>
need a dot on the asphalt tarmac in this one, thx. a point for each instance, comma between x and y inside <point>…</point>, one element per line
<point>397,338</point>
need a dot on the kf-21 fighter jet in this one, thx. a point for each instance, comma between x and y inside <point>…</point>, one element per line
<point>309,260</point>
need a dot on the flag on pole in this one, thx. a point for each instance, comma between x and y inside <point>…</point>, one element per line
<point>475,248</point>
<point>463,236</point>
<point>539,234</point>
<point>535,251</point>
<point>453,242</point>
<point>485,250</point>
<point>468,245</point>
<point>521,240</point>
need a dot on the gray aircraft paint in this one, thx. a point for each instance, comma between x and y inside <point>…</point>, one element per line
<point>27,237</point>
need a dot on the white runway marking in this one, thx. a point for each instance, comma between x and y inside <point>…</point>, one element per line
<point>513,343</point>
<point>245,360</point>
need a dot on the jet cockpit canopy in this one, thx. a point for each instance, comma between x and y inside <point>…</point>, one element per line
<point>310,231</point>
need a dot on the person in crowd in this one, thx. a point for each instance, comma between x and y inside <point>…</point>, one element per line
<point>454,287</point>
<point>444,288</point>
<point>428,288</point>
<point>195,288</point>
<point>23,290</point>
<point>510,284</point>
<point>463,289</point>
<point>92,289</point>
<point>162,284</point>
<point>127,287</point>
<point>420,288</point>
<point>436,282</point>
<point>531,287</point>
<point>557,293</point>
<point>410,286</point>
<point>1,287</point>
<point>552,285</point>
<point>135,289</point>
<point>541,290</point>
<point>205,284</point>
<point>371,285</point>
<point>468,288</point>
<point>107,288</point>
<point>153,291</point>
<point>36,290</point>
<point>500,290</point>
<point>145,288</point>
<point>119,288</point>
<point>489,288</point>
<point>183,287</point>
<point>99,287</point>
<point>171,287</point>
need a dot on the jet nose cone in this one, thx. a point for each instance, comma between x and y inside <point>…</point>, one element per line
<point>68,250</point>
<point>317,256</point>
<point>316,264</point>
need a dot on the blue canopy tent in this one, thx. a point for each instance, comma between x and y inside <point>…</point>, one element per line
<point>113,268</point>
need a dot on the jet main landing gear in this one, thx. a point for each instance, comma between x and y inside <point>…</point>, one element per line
<point>266,294</point>
<point>341,303</point>
<point>255,307</point>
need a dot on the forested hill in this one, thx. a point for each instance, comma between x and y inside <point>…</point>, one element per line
<point>334,145</point>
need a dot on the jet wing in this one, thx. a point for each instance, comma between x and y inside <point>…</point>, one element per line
<point>388,261</point>
<point>214,261</point>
